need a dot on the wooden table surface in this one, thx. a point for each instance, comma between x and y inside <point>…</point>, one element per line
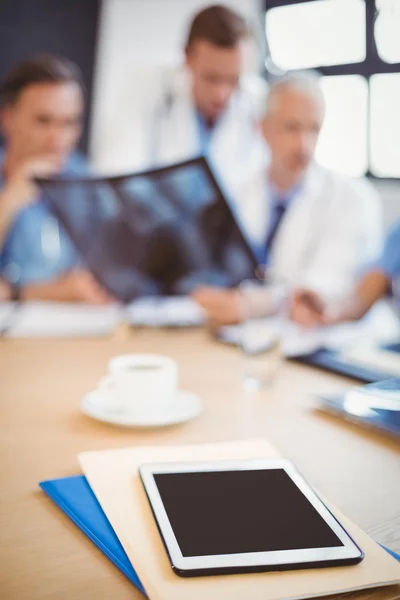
<point>43,555</point>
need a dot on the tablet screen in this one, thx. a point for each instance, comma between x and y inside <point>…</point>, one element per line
<point>242,511</point>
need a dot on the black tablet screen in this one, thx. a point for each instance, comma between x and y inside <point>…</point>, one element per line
<point>230,512</point>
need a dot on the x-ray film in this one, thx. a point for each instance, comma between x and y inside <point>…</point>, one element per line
<point>163,231</point>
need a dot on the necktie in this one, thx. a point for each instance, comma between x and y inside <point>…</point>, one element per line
<point>278,212</point>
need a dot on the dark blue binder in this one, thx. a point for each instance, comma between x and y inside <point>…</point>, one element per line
<point>393,347</point>
<point>75,497</point>
<point>329,360</point>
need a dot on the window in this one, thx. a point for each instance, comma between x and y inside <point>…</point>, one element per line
<point>343,142</point>
<point>306,35</point>
<point>387,30</point>
<point>385,124</point>
<point>355,45</point>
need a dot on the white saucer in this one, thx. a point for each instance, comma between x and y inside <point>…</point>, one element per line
<point>185,406</point>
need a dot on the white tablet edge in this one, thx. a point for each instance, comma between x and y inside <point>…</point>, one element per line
<point>349,550</point>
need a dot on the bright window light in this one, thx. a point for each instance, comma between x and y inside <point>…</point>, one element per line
<point>343,142</point>
<point>385,124</point>
<point>318,33</point>
<point>387,30</point>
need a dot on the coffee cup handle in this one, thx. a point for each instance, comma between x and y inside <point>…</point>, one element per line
<point>105,399</point>
<point>106,383</point>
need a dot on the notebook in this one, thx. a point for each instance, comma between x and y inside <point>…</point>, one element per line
<point>113,477</point>
<point>330,360</point>
<point>165,311</point>
<point>75,497</point>
<point>57,319</point>
<point>373,357</point>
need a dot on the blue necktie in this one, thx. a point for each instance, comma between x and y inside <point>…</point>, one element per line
<point>278,213</point>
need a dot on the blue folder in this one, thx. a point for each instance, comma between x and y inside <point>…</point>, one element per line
<point>75,497</point>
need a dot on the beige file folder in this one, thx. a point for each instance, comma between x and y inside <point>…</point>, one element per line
<point>113,476</point>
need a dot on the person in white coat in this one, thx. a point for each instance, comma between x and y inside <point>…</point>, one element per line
<point>207,106</point>
<point>313,228</point>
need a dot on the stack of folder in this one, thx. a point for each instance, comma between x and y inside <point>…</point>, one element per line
<point>77,499</point>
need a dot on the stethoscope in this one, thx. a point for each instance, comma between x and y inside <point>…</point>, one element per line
<point>162,111</point>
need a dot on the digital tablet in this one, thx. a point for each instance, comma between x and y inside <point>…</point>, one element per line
<point>243,516</point>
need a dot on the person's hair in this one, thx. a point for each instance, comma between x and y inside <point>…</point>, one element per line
<point>44,68</point>
<point>305,82</point>
<point>220,26</point>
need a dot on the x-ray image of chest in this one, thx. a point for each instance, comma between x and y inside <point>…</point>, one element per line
<point>163,231</point>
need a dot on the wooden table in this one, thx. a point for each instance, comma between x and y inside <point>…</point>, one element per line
<point>43,555</point>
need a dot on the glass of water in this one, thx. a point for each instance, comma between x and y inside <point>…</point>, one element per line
<point>396,294</point>
<point>260,332</point>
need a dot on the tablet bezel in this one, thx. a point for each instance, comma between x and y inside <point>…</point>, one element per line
<point>349,553</point>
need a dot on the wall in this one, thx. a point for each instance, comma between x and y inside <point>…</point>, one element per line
<point>68,28</point>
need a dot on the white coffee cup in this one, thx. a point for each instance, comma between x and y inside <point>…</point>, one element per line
<point>140,384</point>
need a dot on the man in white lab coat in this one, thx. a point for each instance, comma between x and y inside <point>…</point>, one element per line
<point>312,227</point>
<point>205,107</point>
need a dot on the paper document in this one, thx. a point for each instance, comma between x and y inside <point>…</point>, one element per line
<point>51,319</point>
<point>7,315</point>
<point>170,311</point>
<point>374,358</point>
<point>254,336</point>
<point>379,326</point>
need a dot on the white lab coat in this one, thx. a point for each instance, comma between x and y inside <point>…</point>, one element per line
<point>331,230</point>
<point>155,124</point>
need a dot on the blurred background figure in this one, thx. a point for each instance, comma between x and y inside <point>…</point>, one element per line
<point>134,54</point>
<point>309,225</point>
<point>207,106</point>
<point>381,279</point>
<point>41,111</point>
